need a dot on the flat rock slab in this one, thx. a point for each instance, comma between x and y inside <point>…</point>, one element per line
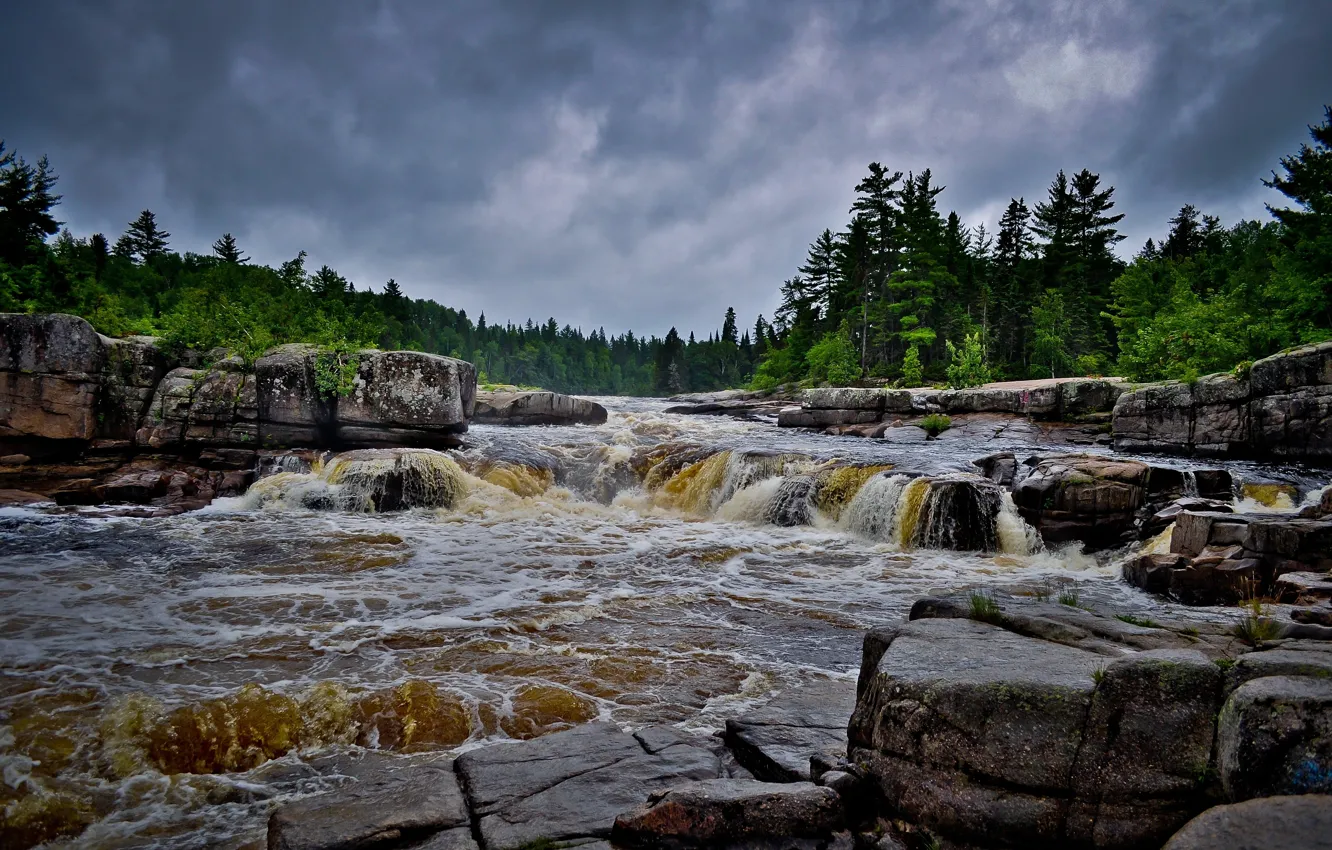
<point>775,742</point>
<point>719,811</point>
<point>1267,823</point>
<point>387,804</point>
<point>572,784</point>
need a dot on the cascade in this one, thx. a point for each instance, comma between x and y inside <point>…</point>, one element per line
<point>873,511</point>
<point>744,469</point>
<point>959,512</point>
<point>368,480</point>
<point>1190,484</point>
<point>838,487</point>
<point>691,489</point>
<point>792,504</point>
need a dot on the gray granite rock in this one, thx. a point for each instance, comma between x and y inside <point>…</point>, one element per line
<point>572,784</point>
<point>1267,823</point>
<point>384,806</point>
<point>536,408</point>
<point>776,742</point>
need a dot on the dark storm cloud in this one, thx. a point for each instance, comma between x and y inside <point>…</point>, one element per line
<point>636,164</point>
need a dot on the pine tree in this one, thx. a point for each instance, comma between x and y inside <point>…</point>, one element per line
<point>820,269</point>
<point>921,274</point>
<point>26,201</point>
<point>292,272</point>
<point>394,293</point>
<point>728,333</point>
<point>143,241</point>
<point>225,249</point>
<point>1307,180</point>
<point>328,284</point>
<point>100,252</point>
<point>1186,235</point>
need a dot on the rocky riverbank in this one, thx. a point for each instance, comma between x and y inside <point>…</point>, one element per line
<point>87,419</point>
<point>979,723</point>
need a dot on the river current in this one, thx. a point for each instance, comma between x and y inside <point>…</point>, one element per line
<point>165,680</point>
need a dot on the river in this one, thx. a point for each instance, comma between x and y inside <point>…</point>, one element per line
<point>166,679</point>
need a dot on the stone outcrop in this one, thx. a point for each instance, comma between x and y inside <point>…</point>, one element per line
<point>1281,409</point>
<point>730,812</point>
<point>1033,730</point>
<point>536,408</point>
<point>1224,557</point>
<point>1102,501</point>
<point>776,742</point>
<point>1066,399</point>
<point>743,404</point>
<point>85,418</point>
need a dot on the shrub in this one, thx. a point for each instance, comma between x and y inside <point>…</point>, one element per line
<point>936,423</point>
<point>833,359</point>
<point>966,365</point>
<point>912,376</point>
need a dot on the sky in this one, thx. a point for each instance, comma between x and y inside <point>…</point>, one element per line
<point>624,164</point>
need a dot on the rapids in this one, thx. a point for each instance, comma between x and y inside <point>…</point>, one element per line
<point>165,680</point>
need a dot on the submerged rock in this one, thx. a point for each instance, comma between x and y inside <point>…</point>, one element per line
<point>376,480</point>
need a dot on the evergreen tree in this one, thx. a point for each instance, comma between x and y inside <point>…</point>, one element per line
<point>921,273</point>
<point>820,270</point>
<point>728,333</point>
<point>328,284</point>
<point>393,292</point>
<point>143,241</point>
<point>1186,235</point>
<point>26,201</point>
<point>225,249</point>
<point>1307,180</point>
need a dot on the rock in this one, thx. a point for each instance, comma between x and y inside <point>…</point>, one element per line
<point>952,714</point>
<point>134,367</point>
<point>537,408</point>
<point>388,805</point>
<point>1000,468</point>
<point>50,377</point>
<point>407,398</point>
<point>1158,521</point>
<point>1275,738</point>
<point>876,400</point>
<point>1303,588</point>
<point>1288,659</point>
<point>777,741</point>
<point>1282,409</point>
<point>726,811</point>
<point>1267,823</point>
<point>1083,497</point>
<point>21,498</point>
<point>571,784</point>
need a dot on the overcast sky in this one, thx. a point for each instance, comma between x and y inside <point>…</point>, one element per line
<point>636,164</point>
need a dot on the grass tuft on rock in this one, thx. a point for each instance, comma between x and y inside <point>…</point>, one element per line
<point>1069,596</point>
<point>936,423</point>
<point>1144,622</point>
<point>982,607</point>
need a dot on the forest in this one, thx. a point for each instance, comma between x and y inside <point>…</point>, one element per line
<point>902,294</point>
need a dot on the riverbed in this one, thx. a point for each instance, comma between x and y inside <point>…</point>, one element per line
<point>165,680</point>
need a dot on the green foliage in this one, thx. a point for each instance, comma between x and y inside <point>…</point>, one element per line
<point>832,359</point>
<point>982,606</point>
<point>1254,626</point>
<point>1052,330</point>
<point>1132,620</point>
<point>1069,596</point>
<point>912,375</point>
<point>1098,675</point>
<point>335,371</point>
<point>967,365</point>
<point>936,423</point>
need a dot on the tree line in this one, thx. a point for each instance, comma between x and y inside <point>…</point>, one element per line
<point>906,294</point>
<point>138,285</point>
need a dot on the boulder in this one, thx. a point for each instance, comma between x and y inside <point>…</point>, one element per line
<point>387,807</point>
<point>984,735</point>
<point>536,408</point>
<point>776,742</point>
<point>134,367</point>
<point>571,784</point>
<point>407,398</point>
<point>1083,497</point>
<point>1266,823</point>
<point>729,811</point>
<point>1275,738</point>
<point>50,377</point>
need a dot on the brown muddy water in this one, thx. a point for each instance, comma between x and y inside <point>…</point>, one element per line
<point>164,679</point>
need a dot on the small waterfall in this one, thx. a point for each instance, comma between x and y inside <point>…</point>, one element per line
<point>299,461</point>
<point>837,488</point>
<point>873,511</point>
<point>368,480</point>
<point>744,469</point>
<point>1190,484</point>
<point>692,489</point>
<point>956,512</point>
<point>792,504</point>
